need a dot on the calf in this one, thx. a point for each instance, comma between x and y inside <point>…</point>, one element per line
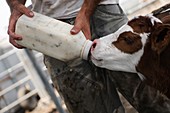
<point>141,46</point>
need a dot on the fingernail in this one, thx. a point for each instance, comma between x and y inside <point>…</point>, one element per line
<point>73,30</point>
<point>31,14</point>
<point>19,38</point>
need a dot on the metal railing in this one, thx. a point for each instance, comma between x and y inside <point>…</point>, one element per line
<point>30,75</point>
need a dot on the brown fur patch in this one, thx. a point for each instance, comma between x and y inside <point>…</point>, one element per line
<point>128,42</point>
<point>142,24</point>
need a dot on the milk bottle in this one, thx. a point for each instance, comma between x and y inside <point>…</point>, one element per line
<point>52,37</point>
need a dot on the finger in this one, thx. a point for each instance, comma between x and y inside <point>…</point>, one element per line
<point>15,44</point>
<point>14,36</point>
<point>11,29</point>
<point>87,33</point>
<point>76,29</point>
<point>25,10</point>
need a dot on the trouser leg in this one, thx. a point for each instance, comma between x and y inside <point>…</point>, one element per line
<point>85,88</point>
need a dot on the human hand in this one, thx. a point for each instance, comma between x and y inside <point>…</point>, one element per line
<point>82,23</point>
<point>17,9</point>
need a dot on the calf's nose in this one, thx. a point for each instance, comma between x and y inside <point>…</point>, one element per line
<point>94,45</point>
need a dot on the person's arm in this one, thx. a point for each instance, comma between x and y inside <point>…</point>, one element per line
<point>82,21</point>
<point>17,8</point>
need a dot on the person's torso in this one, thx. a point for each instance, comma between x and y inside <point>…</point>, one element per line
<point>61,9</point>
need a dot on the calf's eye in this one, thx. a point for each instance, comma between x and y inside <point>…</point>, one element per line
<point>129,41</point>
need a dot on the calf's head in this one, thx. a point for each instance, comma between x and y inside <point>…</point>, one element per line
<point>123,50</point>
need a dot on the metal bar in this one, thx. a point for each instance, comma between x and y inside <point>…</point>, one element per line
<point>31,71</point>
<point>48,87</point>
<point>10,69</point>
<point>14,85</point>
<point>18,101</point>
<point>7,54</point>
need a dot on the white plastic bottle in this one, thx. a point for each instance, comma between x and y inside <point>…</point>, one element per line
<point>52,37</point>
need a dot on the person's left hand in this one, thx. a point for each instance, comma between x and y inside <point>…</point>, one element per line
<point>82,23</point>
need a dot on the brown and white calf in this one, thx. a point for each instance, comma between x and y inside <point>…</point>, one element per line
<point>141,46</point>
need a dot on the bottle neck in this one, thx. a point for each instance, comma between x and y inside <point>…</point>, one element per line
<point>86,49</point>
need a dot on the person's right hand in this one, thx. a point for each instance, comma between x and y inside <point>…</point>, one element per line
<point>17,9</point>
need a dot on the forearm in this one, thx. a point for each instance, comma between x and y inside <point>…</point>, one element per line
<point>88,7</point>
<point>12,3</point>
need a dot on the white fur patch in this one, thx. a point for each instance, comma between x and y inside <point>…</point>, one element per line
<point>106,55</point>
<point>153,19</point>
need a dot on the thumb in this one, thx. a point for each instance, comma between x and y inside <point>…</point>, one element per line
<point>22,9</point>
<point>25,10</point>
<point>75,30</point>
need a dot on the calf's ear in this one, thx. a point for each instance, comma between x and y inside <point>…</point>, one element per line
<point>166,19</point>
<point>160,38</point>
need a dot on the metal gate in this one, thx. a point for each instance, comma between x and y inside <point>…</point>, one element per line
<point>16,70</point>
